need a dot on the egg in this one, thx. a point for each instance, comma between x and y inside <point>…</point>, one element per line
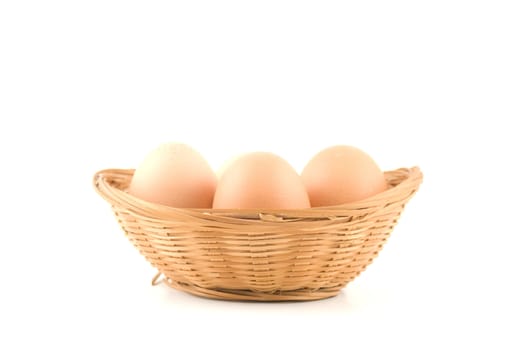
<point>342,174</point>
<point>260,180</point>
<point>175,175</point>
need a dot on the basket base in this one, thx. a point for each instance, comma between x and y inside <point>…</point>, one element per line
<point>304,294</point>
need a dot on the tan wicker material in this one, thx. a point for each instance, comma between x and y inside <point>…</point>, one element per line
<point>264,254</point>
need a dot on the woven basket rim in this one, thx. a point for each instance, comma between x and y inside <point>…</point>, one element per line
<point>106,184</point>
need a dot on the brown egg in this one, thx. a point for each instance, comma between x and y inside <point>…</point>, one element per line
<point>175,175</point>
<point>342,174</point>
<point>260,181</point>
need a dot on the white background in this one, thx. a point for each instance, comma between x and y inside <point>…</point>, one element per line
<point>87,85</point>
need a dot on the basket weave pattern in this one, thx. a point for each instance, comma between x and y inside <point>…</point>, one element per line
<point>259,255</point>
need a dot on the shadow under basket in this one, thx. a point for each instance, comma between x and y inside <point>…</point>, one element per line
<point>267,255</point>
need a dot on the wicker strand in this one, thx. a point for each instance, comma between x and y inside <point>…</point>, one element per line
<point>156,279</point>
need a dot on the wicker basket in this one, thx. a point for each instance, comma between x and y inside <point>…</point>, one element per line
<point>251,255</point>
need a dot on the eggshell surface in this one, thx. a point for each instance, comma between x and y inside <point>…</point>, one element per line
<point>175,175</point>
<point>342,174</point>
<point>260,180</point>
